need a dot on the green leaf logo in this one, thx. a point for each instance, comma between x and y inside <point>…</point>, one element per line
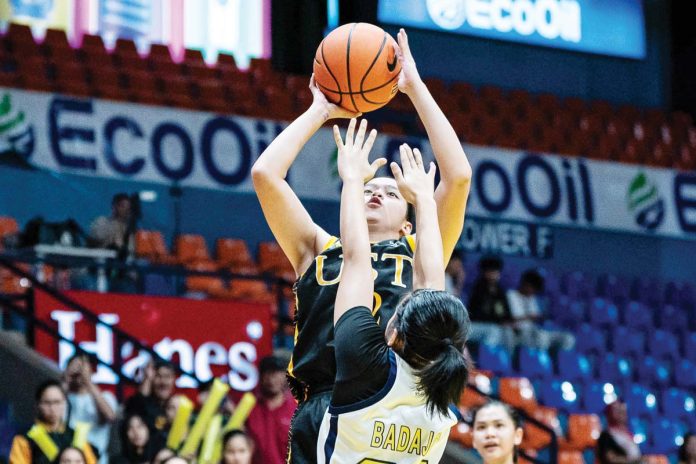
<point>16,134</point>
<point>645,202</point>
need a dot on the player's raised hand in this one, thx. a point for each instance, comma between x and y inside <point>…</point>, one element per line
<point>354,153</point>
<point>331,110</point>
<point>411,178</point>
<point>408,77</point>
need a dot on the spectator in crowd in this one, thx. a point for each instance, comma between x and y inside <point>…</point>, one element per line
<point>455,274</point>
<point>71,455</point>
<point>269,421</point>
<point>114,231</point>
<point>616,443</point>
<point>89,404</point>
<point>227,406</point>
<point>687,451</point>
<point>139,442</point>
<point>527,311</point>
<point>497,432</point>
<point>150,401</point>
<point>51,404</point>
<point>237,448</point>
<point>488,306</point>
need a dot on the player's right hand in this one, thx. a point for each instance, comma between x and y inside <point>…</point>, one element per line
<point>330,110</point>
<point>354,153</point>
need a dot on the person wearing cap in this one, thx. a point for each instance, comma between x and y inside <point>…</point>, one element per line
<point>269,422</point>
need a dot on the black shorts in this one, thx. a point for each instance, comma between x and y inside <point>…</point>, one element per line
<point>304,428</point>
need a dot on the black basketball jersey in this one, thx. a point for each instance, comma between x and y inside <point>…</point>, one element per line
<point>313,366</point>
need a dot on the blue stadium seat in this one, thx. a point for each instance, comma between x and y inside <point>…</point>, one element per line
<point>603,313</point>
<point>665,436</point>
<point>615,369</point>
<point>647,291</point>
<point>590,339</point>
<point>637,316</point>
<point>655,373</point>
<point>640,401</point>
<point>559,394</point>
<point>573,366</point>
<point>596,395</point>
<point>672,319</point>
<point>613,288</point>
<point>690,346</point>
<point>677,404</point>
<point>685,374</point>
<point>494,358</point>
<point>575,285</point>
<point>628,342</point>
<point>534,363</point>
<point>568,313</point>
<point>663,344</point>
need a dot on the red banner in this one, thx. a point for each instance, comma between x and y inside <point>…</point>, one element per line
<point>205,337</point>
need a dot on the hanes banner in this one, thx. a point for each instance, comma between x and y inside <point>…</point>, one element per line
<point>207,338</point>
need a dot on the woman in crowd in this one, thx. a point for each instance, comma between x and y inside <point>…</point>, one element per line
<point>616,444</point>
<point>71,455</point>
<point>51,405</point>
<point>139,444</point>
<point>237,448</point>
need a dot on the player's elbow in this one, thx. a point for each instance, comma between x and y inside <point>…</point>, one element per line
<point>461,176</point>
<point>260,174</point>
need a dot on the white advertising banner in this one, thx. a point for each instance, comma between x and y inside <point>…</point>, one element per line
<point>197,149</point>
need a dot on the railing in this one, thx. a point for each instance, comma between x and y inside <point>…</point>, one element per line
<point>26,311</point>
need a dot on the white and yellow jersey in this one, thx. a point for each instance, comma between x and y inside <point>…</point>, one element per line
<point>391,427</point>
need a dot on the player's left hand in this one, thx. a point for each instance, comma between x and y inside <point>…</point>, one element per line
<point>408,77</point>
<point>411,178</point>
<point>353,154</point>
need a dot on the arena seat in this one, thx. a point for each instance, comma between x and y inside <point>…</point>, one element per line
<point>272,260</point>
<point>518,392</point>
<point>637,316</point>
<point>677,404</point>
<point>690,346</point>
<point>654,373</point>
<point>664,436</point>
<point>663,344</point>
<point>627,342</point>
<point>191,248</point>
<point>494,358</point>
<point>640,401</point>
<point>570,457</point>
<point>8,226</point>
<point>615,369</point>
<point>673,319</point>
<point>560,394</point>
<point>572,365</point>
<point>125,48</point>
<point>583,431</point>
<point>535,437</point>
<point>589,339</point>
<point>149,244</point>
<point>534,363</point>
<point>593,395</point>
<point>233,253</point>
<point>56,45</point>
<point>247,289</point>
<point>603,313</point>
<point>655,459</point>
<point>685,374</point>
<point>462,434</point>
<point>210,285</point>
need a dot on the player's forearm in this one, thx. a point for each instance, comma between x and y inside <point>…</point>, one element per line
<point>276,160</point>
<point>354,234</point>
<point>429,264</point>
<point>447,148</point>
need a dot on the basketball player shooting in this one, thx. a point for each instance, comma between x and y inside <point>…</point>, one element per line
<point>316,255</point>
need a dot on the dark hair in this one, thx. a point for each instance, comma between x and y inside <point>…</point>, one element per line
<point>118,198</point>
<point>682,449</point>
<point>166,364</point>
<point>533,279</point>
<point>272,364</point>
<point>511,413</point>
<point>490,263</point>
<point>60,455</point>
<point>45,385</point>
<point>128,450</point>
<point>236,433</point>
<point>434,325</point>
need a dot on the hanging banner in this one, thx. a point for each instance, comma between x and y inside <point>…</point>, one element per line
<point>208,338</point>
<point>196,149</point>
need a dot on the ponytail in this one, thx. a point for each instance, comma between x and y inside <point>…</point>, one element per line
<point>434,326</point>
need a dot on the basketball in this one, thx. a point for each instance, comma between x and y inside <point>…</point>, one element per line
<point>356,67</point>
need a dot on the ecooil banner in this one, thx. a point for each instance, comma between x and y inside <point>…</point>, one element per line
<point>198,149</point>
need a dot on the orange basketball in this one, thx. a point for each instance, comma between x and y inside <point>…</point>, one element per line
<point>356,67</point>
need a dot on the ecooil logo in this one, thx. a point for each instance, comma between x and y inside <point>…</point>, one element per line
<point>645,202</point>
<point>16,135</point>
<point>448,14</point>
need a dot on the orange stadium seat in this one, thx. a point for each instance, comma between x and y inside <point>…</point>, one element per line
<point>149,244</point>
<point>225,60</point>
<point>570,457</point>
<point>247,289</point>
<point>271,259</point>
<point>461,433</point>
<point>8,226</point>
<point>518,392</point>
<point>534,436</point>
<point>199,72</point>
<point>655,459</point>
<point>233,253</point>
<point>191,248</point>
<point>159,52</point>
<point>133,63</point>
<point>92,45</point>
<point>19,34</point>
<point>583,431</point>
<point>193,57</point>
<point>213,286</point>
<point>125,48</point>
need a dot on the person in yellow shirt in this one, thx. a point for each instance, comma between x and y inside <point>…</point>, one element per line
<point>51,403</point>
